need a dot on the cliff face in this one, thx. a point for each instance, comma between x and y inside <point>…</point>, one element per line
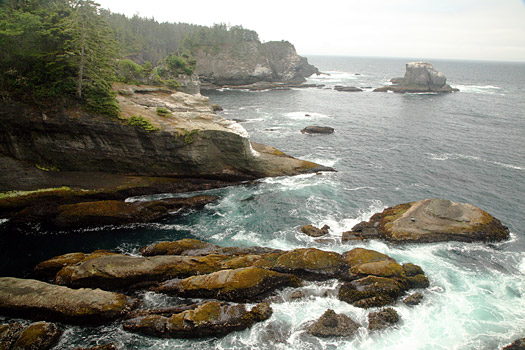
<point>251,62</point>
<point>191,141</point>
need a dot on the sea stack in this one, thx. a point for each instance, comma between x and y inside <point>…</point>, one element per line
<point>419,77</point>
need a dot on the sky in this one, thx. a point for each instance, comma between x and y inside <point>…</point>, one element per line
<point>440,29</point>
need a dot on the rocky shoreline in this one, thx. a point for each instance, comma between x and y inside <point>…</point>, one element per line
<point>226,277</point>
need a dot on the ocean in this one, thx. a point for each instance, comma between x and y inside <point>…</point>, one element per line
<point>387,149</point>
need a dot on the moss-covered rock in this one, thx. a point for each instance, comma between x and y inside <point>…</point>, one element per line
<point>413,299</point>
<point>383,268</point>
<point>313,231</point>
<point>210,319</point>
<point>432,220</point>
<point>331,324</point>
<point>242,284</point>
<point>49,268</point>
<point>43,301</point>
<point>358,256</point>
<point>113,212</point>
<point>310,263</point>
<point>184,246</point>
<point>38,336</point>
<point>382,319</point>
<point>371,291</point>
<point>121,271</point>
<point>9,333</point>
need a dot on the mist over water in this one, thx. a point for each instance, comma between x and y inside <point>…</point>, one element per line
<point>387,149</point>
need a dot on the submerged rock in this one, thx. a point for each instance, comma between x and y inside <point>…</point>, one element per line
<point>419,77</point>
<point>210,319</point>
<point>431,220</point>
<point>109,346</point>
<point>382,319</point>
<point>331,324</point>
<point>314,129</point>
<point>42,301</point>
<point>242,284</point>
<point>313,231</point>
<point>347,88</point>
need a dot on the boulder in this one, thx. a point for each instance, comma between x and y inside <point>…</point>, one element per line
<point>371,291</point>
<point>121,271</point>
<point>431,220</point>
<point>314,129</point>
<point>311,263</point>
<point>42,301</point>
<point>38,336</point>
<point>195,247</point>
<point>244,284</point>
<point>382,319</point>
<point>313,231</point>
<point>210,319</point>
<point>419,77</point>
<point>413,299</point>
<point>331,324</point>
<point>49,268</point>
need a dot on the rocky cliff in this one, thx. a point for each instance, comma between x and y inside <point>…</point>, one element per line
<point>159,133</point>
<point>250,62</point>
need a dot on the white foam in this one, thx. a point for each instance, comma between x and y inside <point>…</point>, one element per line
<point>303,115</point>
<point>3,221</point>
<point>454,156</point>
<point>480,89</point>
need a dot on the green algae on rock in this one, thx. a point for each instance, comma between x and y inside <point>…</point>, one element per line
<point>242,284</point>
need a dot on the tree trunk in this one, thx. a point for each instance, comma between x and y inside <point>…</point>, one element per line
<point>82,53</point>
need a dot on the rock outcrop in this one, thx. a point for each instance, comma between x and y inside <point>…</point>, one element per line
<point>251,62</point>
<point>313,231</point>
<point>187,140</point>
<point>419,77</point>
<point>36,336</point>
<point>331,324</point>
<point>347,88</point>
<point>43,301</point>
<point>382,319</point>
<point>210,319</point>
<point>315,129</point>
<point>430,220</point>
<point>243,284</point>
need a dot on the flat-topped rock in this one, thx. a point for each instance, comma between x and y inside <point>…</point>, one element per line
<point>242,284</point>
<point>316,129</point>
<point>43,301</point>
<point>419,77</point>
<point>430,220</point>
<point>210,319</point>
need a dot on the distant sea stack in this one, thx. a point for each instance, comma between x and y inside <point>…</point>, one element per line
<point>419,77</point>
<point>251,62</point>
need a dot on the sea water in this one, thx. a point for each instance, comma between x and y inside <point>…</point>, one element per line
<point>387,149</point>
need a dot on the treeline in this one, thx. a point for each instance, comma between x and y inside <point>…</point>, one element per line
<point>54,52</point>
<point>146,40</point>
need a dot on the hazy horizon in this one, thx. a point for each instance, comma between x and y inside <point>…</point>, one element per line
<point>486,30</point>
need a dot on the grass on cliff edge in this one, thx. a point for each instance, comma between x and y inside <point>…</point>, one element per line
<point>12,194</point>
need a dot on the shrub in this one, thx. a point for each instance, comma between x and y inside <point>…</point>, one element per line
<point>163,112</point>
<point>140,121</point>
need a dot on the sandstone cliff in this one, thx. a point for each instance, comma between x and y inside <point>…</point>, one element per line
<point>250,62</point>
<point>184,138</point>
